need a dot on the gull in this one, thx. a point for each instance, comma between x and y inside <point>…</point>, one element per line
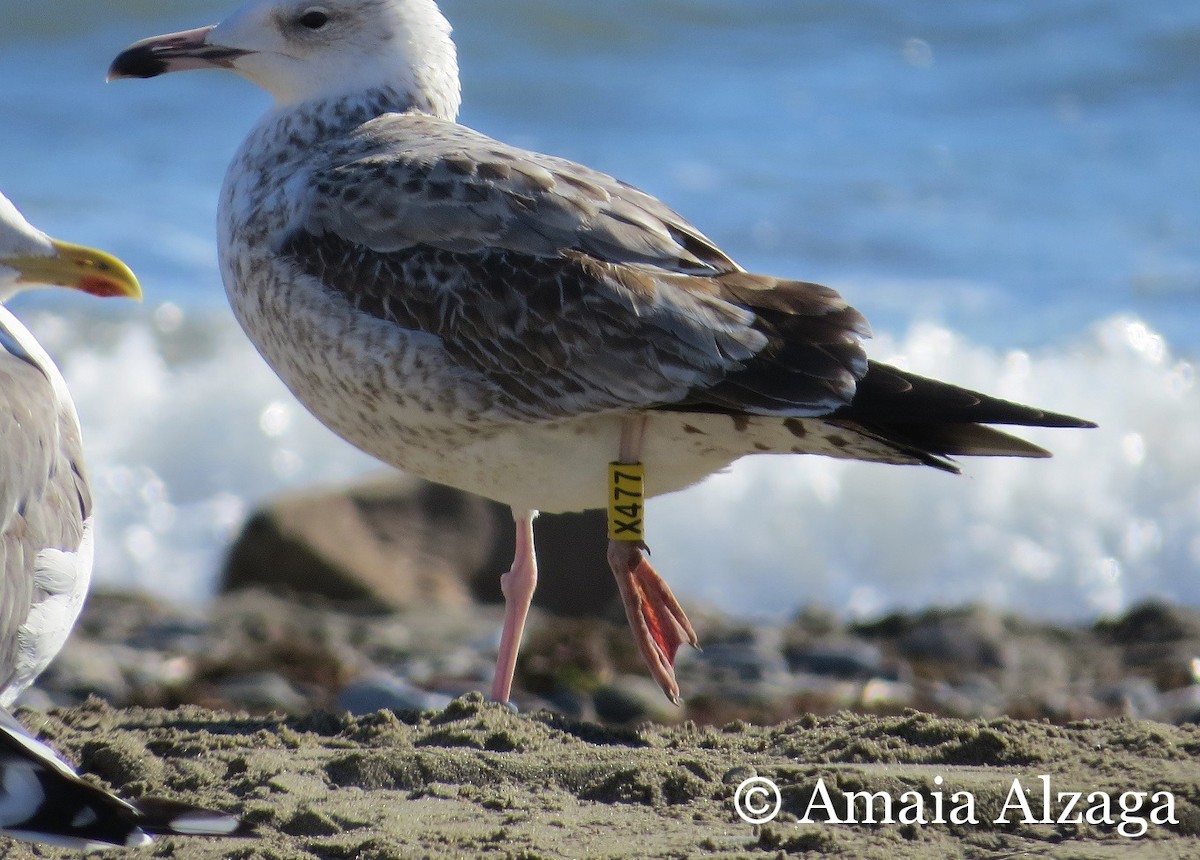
<point>45,500</point>
<point>514,324</point>
<point>46,559</point>
<point>43,799</point>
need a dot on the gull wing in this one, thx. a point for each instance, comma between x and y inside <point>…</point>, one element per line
<point>564,290</point>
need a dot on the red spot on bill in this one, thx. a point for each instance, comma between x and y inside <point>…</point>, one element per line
<point>102,286</point>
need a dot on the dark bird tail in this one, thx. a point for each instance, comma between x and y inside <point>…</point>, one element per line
<point>932,420</point>
<point>43,799</point>
<point>160,817</point>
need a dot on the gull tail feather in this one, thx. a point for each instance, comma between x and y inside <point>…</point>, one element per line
<point>932,420</point>
<point>159,817</point>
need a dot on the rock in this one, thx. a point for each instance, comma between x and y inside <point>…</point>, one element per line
<point>1179,706</point>
<point>575,704</point>
<point>261,692</point>
<point>573,574</point>
<point>86,667</point>
<point>973,637</point>
<point>569,653</point>
<point>1136,698</point>
<point>975,696</point>
<point>742,662</point>
<point>1036,679</point>
<point>631,699</point>
<point>384,691</point>
<point>263,651</point>
<point>840,658</point>
<point>1170,664</point>
<point>1152,623</point>
<point>400,542</point>
<point>1157,640</point>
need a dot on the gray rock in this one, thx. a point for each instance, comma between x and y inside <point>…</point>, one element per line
<point>85,667</point>
<point>383,691</point>
<point>262,691</point>
<point>972,637</point>
<point>1137,698</point>
<point>742,662</point>
<point>631,699</point>
<point>397,542</point>
<point>840,658</point>
<point>400,542</point>
<point>1178,706</point>
<point>974,696</point>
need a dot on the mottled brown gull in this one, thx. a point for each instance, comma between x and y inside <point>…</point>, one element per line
<point>509,323</point>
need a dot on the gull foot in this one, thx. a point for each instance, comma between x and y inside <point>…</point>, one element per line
<point>658,622</point>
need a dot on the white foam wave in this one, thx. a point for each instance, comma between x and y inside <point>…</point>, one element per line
<point>187,429</point>
<point>1113,518</point>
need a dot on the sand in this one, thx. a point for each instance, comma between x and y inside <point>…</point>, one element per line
<point>478,780</point>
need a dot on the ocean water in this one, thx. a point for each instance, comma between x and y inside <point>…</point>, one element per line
<point>1009,191</point>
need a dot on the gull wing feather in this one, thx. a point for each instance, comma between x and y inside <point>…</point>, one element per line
<point>43,799</point>
<point>567,291</point>
<point>44,504</point>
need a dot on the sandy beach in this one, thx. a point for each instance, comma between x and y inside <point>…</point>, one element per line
<point>478,780</point>
<point>896,663</point>
<point>247,707</point>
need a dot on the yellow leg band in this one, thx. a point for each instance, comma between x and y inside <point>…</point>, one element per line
<point>626,501</point>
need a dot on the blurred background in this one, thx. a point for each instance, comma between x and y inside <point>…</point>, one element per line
<point>1009,191</point>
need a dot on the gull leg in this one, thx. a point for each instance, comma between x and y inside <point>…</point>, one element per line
<point>658,622</point>
<point>518,586</point>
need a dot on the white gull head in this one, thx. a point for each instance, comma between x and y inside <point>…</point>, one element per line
<point>18,239</point>
<point>301,50</point>
<point>29,258</point>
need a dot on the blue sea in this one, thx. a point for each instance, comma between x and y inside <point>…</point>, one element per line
<point>1010,191</point>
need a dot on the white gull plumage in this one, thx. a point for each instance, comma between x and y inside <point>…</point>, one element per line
<point>508,322</point>
<point>45,501</point>
<point>46,559</point>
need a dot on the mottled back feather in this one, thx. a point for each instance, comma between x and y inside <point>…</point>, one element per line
<point>569,292</point>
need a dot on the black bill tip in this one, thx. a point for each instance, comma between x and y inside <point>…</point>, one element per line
<point>140,61</point>
<point>174,52</point>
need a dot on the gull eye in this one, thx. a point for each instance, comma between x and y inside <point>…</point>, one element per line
<point>314,19</point>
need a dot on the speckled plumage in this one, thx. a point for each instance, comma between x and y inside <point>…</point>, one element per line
<point>483,316</point>
<point>508,322</point>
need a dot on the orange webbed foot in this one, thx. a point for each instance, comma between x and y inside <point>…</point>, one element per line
<point>658,622</point>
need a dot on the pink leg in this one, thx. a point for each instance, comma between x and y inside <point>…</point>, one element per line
<point>658,622</point>
<point>518,585</point>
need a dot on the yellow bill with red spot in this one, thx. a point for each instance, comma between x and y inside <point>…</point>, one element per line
<point>78,267</point>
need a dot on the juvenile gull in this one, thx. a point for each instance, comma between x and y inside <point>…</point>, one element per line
<point>46,559</point>
<point>508,322</point>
